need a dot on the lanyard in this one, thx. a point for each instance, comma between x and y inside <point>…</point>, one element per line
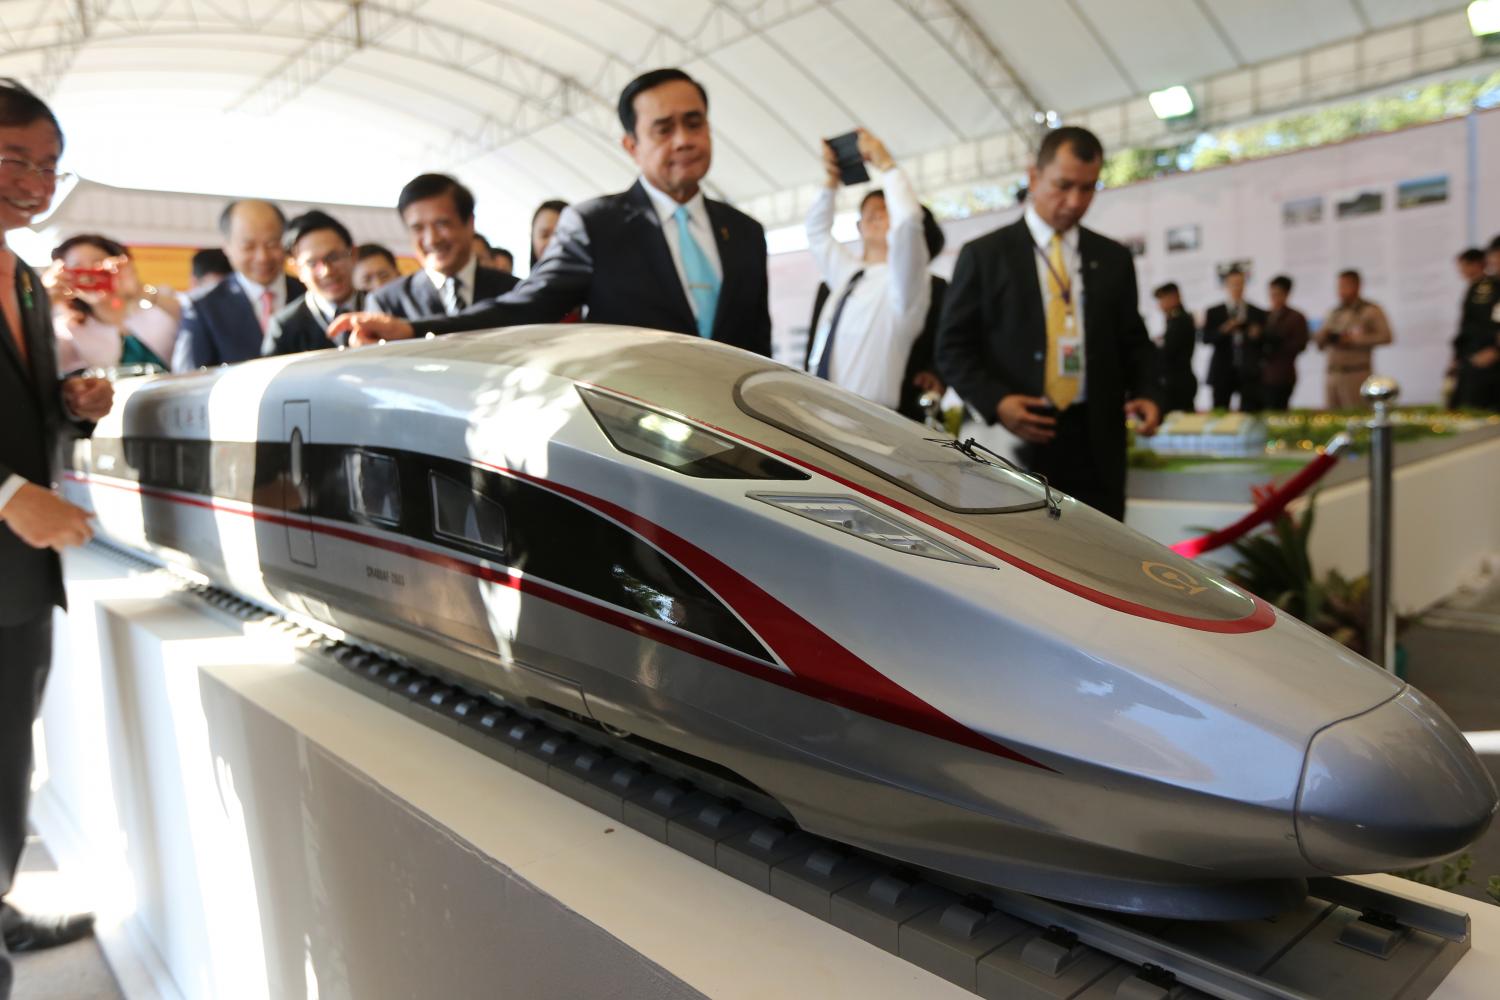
<point>1064,287</point>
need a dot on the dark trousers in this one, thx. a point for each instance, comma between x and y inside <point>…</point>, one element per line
<point>1252,395</point>
<point>1068,463</point>
<point>1279,397</point>
<point>25,657</point>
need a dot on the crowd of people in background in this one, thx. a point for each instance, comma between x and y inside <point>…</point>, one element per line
<point>1253,366</point>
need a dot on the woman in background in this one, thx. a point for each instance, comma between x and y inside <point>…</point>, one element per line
<point>101,312</point>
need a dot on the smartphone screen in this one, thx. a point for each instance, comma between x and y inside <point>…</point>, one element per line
<point>851,164</point>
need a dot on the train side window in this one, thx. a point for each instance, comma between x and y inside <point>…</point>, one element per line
<point>463,514</point>
<point>374,486</point>
<point>683,447</point>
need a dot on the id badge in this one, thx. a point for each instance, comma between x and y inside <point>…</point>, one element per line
<point>1070,357</point>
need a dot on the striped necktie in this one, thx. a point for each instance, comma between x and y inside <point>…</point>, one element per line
<point>702,282</point>
<point>453,295</point>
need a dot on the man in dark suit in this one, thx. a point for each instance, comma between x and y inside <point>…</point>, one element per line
<point>1041,331</point>
<point>439,213</point>
<point>228,322</point>
<point>1233,328</point>
<point>660,255</point>
<point>1179,384</point>
<point>323,253</point>
<point>36,410</point>
<point>1285,337</point>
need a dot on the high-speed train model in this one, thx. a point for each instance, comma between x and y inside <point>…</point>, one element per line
<point>909,646</point>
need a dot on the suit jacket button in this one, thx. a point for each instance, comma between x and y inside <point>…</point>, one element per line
<point>1040,355</point>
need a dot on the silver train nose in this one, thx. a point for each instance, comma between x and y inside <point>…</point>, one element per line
<point>1393,788</point>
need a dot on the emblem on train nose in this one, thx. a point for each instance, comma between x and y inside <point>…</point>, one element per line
<point>1172,578</point>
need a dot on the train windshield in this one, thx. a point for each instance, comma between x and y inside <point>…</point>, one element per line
<point>886,444</point>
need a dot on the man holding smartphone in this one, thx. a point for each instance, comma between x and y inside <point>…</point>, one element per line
<point>879,298</point>
<point>35,523</point>
<point>1042,332</point>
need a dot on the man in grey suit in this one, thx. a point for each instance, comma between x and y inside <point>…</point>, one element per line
<point>438,212</point>
<point>35,523</point>
<point>659,255</point>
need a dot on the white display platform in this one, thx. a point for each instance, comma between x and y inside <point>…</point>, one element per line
<point>1445,532</point>
<point>249,828</point>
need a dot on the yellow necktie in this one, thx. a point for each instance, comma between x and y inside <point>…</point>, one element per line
<point>1060,388</point>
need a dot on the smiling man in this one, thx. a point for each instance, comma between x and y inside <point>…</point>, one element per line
<point>227,322</point>
<point>660,255</point>
<point>438,212</point>
<point>35,523</point>
<point>323,253</point>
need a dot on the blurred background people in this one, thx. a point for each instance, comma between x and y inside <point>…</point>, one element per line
<point>374,266</point>
<point>1350,335</point>
<point>1018,346</point>
<point>439,214</point>
<point>1233,329</point>
<point>228,322</point>
<point>1476,348</point>
<point>102,313</point>
<point>209,267</point>
<point>483,252</point>
<point>322,251</point>
<point>1179,384</point>
<point>1285,338</point>
<point>543,225</point>
<point>881,295</point>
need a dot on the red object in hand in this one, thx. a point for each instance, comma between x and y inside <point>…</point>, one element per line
<point>89,279</point>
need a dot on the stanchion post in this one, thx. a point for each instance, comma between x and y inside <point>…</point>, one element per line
<point>1381,392</point>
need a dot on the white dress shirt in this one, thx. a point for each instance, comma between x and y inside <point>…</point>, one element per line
<point>466,275</point>
<point>1041,235</point>
<point>278,294</point>
<point>699,224</point>
<point>886,310</point>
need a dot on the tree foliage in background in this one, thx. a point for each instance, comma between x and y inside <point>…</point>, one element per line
<point>1336,123</point>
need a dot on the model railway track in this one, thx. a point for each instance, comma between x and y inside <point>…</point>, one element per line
<point>1347,940</point>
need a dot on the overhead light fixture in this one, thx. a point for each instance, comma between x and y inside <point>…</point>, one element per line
<point>1174,102</point>
<point>1484,18</point>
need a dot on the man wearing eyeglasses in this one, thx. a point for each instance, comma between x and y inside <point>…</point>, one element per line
<point>37,411</point>
<point>323,253</point>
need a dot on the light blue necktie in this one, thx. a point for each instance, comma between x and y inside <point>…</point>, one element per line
<point>703,283</point>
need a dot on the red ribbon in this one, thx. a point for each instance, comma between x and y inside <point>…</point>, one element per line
<point>1269,508</point>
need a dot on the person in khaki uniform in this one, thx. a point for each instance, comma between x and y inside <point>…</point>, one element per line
<point>1350,335</point>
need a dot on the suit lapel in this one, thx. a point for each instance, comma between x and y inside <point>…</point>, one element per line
<point>1088,267</point>
<point>9,349</point>
<point>424,295</point>
<point>1023,264</point>
<point>646,231</point>
<point>718,217</point>
<point>236,301</point>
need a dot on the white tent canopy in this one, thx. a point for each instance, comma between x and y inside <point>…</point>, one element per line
<point>344,101</point>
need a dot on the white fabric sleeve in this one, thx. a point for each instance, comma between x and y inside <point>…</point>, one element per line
<point>10,488</point>
<point>835,263</point>
<point>906,244</point>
